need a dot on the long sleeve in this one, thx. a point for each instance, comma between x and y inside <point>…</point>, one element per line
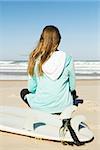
<point>71,73</point>
<point>32,84</point>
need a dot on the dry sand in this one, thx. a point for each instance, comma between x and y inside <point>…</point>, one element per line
<point>87,89</point>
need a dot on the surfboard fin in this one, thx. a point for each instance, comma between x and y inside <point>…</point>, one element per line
<point>38,124</point>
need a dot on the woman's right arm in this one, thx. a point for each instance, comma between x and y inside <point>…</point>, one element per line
<point>72,78</point>
<point>71,73</point>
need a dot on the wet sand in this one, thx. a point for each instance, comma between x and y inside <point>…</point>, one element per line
<point>87,89</point>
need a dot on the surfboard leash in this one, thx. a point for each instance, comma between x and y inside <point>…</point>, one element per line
<point>66,126</point>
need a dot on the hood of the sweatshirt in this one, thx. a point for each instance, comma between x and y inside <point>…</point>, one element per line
<point>54,66</point>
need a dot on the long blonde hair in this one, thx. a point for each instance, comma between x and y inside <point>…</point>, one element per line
<point>48,43</point>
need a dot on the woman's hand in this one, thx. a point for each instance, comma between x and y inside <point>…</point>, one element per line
<point>74,95</point>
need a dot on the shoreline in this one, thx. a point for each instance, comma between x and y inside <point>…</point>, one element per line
<point>14,77</point>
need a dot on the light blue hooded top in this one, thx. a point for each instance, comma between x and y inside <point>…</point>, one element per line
<point>52,94</point>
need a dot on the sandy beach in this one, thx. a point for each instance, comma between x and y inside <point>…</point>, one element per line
<point>86,89</point>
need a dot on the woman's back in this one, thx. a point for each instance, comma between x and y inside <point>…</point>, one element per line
<point>52,90</point>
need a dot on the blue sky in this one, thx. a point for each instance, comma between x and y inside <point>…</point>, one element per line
<point>21,24</point>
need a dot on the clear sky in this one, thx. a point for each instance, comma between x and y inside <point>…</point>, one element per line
<point>21,24</point>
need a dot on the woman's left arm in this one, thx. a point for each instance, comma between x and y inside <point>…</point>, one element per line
<point>32,84</point>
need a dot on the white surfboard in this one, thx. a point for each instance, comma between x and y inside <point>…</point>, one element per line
<point>38,124</point>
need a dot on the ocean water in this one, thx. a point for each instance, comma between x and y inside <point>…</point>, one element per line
<point>17,70</point>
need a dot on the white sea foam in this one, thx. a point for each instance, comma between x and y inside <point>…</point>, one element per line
<point>17,69</point>
<point>5,62</point>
